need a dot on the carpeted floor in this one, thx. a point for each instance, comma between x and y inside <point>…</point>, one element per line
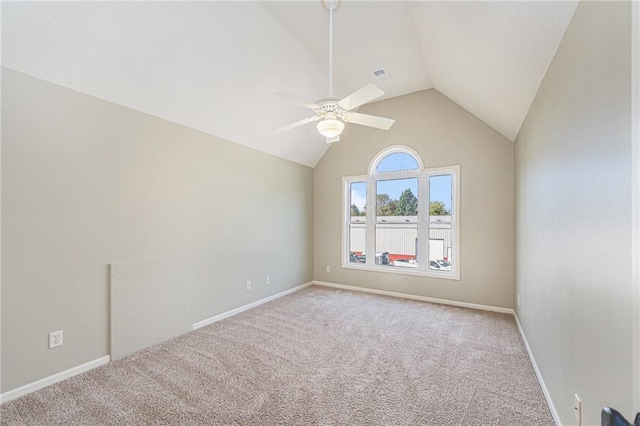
<point>318,356</point>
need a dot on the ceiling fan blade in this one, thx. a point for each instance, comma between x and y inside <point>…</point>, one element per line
<point>369,120</point>
<point>334,139</point>
<point>290,97</point>
<point>361,97</point>
<point>297,124</point>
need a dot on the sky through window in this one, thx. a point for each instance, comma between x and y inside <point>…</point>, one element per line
<point>439,186</point>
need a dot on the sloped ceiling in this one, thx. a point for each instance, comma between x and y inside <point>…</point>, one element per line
<point>214,66</point>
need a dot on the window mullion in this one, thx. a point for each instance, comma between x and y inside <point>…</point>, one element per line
<point>455,222</point>
<point>423,222</point>
<point>371,223</point>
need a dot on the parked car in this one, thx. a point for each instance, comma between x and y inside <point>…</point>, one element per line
<point>357,258</point>
<point>382,258</point>
<point>444,265</point>
<point>439,265</point>
<point>405,263</point>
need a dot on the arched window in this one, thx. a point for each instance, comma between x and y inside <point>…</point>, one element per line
<point>396,162</point>
<point>413,227</point>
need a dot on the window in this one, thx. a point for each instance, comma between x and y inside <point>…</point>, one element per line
<point>413,225</point>
<point>357,221</point>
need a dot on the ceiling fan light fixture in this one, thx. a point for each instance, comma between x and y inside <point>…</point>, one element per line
<point>330,127</point>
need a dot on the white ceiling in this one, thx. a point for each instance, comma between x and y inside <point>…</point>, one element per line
<point>214,66</point>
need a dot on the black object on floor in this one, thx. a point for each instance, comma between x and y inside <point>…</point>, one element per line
<point>612,417</point>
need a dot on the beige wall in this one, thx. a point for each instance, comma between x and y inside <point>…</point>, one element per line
<point>573,186</point>
<point>86,182</point>
<point>443,134</point>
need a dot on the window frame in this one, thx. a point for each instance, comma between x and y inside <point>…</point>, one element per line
<point>423,220</point>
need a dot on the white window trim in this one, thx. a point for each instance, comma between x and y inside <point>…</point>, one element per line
<point>423,176</point>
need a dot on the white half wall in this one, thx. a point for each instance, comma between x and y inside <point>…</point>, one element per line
<point>151,301</point>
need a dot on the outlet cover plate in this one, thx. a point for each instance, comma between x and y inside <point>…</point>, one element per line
<point>55,339</point>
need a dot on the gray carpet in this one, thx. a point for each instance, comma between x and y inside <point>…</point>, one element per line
<point>318,356</point>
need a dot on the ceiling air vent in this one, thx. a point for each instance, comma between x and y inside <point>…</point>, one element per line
<point>381,74</point>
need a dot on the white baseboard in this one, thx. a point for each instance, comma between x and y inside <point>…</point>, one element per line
<point>236,311</point>
<point>545,391</point>
<point>421,298</point>
<point>32,387</point>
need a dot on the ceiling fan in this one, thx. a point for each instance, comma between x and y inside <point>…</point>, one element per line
<point>333,112</point>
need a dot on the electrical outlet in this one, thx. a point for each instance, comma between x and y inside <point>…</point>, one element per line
<point>577,409</point>
<point>248,285</point>
<point>518,300</point>
<point>55,339</point>
<point>268,279</point>
<point>328,268</point>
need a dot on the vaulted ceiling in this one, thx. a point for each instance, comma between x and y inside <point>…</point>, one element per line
<point>214,66</point>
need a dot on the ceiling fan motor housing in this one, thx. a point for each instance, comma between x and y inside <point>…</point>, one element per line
<point>330,106</point>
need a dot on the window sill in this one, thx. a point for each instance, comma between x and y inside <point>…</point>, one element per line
<point>403,271</point>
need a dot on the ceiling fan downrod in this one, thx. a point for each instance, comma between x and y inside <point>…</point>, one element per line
<point>330,5</point>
